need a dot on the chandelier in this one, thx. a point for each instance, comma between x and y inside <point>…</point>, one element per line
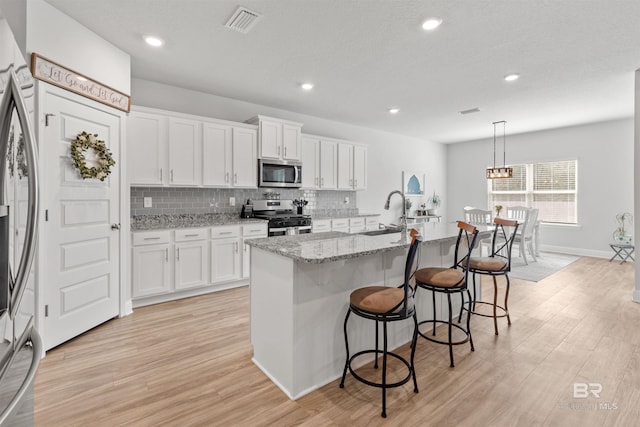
<point>504,171</point>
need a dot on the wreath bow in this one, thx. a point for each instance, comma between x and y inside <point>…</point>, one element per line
<point>83,142</point>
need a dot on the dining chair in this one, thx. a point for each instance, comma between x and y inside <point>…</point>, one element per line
<point>477,216</point>
<point>525,238</point>
<point>518,213</point>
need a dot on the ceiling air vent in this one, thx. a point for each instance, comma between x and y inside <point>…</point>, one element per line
<point>470,111</point>
<point>243,20</point>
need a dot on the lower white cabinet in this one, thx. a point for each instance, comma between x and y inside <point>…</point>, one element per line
<point>191,258</point>
<point>168,262</point>
<point>320,225</point>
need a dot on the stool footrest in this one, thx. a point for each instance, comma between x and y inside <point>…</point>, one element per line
<point>505,313</point>
<point>444,322</point>
<point>375,384</point>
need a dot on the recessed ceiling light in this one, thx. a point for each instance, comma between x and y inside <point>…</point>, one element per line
<point>394,110</point>
<point>153,41</point>
<point>511,77</point>
<point>307,86</point>
<point>431,24</point>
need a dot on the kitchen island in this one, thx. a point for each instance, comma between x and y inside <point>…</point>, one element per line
<point>300,288</point>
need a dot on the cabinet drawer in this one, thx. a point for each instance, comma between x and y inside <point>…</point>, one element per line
<point>150,237</point>
<point>226,231</point>
<point>320,226</point>
<point>340,223</point>
<point>190,234</point>
<point>356,222</point>
<point>372,220</point>
<point>254,230</point>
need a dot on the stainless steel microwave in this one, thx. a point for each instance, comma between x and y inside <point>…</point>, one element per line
<point>279,173</point>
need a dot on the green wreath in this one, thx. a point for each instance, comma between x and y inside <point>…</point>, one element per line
<point>83,142</point>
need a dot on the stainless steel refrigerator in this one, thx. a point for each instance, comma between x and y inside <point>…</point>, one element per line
<point>20,344</point>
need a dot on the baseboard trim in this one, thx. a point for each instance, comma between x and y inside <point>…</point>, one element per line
<point>576,251</point>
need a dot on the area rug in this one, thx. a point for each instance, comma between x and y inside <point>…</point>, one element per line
<point>547,263</point>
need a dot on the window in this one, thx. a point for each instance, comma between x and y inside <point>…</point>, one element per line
<point>551,187</point>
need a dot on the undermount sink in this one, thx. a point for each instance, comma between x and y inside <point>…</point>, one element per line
<point>382,231</point>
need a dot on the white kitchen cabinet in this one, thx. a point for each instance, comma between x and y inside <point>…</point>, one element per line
<point>372,223</point>
<point>352,166</point>
<point>250,231</point>
<point>216,154</point>
<point>278,139</point>
<point>151,263</point>
<point>146,149</point>
<point>225,254</point>
<point>229,156</point>
<point>320,225</point>
<point>191,263</point>
<point>185,152</point>
<point>245,158</point>
<point>340,224</point>
<point>310,156</point>
<point>359,167</point>
<point>328,165</point>
<point>345,166</point>
<point>357,225</point>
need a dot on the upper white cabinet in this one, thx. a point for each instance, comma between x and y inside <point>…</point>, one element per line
<point>278,139</point>
<point>146,152</point>
<point>185,152</point>
<point>173,149</point>
<point>229,156</point>
<point>352,166</point>
<point>329,164</point>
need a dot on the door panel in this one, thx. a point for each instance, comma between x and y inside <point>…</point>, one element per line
<point>82,266</point>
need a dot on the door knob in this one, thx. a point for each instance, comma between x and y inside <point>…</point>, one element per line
<point>115,226</point>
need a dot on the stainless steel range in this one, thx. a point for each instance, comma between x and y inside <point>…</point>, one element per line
<point>283,220</point>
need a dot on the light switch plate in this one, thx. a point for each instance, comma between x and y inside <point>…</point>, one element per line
<point>147,203</point>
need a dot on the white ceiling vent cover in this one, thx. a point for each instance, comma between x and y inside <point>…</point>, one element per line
<point>243,20</point>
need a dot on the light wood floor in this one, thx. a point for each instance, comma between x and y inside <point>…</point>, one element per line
<point>188,363</point>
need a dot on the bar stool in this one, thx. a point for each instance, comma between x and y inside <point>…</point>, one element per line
<point>498,263</point>
<point>385,304</point>
<point>450,281</point>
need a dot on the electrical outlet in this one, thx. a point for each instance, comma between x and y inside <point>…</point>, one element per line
<point>346,200</point>
<point>232,201</point>
<point>147,203</point>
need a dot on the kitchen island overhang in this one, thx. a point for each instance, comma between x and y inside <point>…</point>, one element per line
<point>299,291</point>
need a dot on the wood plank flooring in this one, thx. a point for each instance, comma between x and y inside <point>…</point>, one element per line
<point>188,363</point>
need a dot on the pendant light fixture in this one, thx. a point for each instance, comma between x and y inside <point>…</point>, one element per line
<point>504,171</point>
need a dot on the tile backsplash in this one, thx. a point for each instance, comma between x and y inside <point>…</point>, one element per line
<point>177,200</point>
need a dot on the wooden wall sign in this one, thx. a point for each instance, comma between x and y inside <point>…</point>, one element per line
<point>48,71</point>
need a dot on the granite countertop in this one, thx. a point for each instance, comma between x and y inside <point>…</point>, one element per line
<point>334,246</point>
<point>165,222</point>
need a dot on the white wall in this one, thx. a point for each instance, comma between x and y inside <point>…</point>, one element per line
<point>388,154</point>
<point>605,178</point>
<point>56,36</point>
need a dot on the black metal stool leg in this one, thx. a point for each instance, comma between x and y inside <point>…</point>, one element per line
<point>450,332</point>
<point>413,351</point>
<point>506,300</point>
<point>469,322</point>
<point>375,362</point>
<point>433,294</point>
<point>346,345</point>
<point>384,370</point>
<point>495,304</point>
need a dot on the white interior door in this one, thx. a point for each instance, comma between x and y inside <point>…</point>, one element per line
<point>81,280</point>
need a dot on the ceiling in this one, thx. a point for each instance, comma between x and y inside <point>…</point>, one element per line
<point>576,58</point>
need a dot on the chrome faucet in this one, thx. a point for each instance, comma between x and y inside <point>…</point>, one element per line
<point>403,218</point>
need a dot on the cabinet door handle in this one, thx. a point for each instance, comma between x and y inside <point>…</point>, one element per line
<point>171,175</point>
<point>322,183</point>
<point>236,245</point>
<point>166,254</point>
<point>285,151</point>
<point>226,232</point>
<point>235,178</point>
<point>278,150</point>
<point>151,238</point>
<point>190,235</point>
<point>178,254</point>
<point>160,174</point>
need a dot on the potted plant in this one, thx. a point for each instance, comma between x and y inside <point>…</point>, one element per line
<point>434,201</point>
